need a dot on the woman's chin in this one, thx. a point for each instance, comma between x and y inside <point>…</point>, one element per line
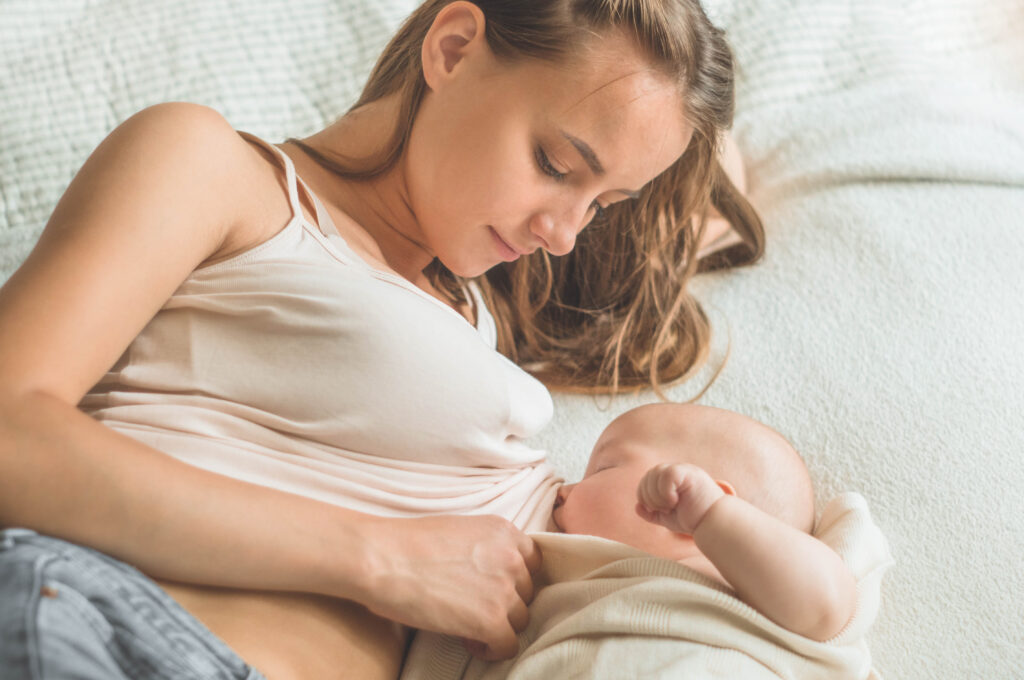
<point>468,270</point>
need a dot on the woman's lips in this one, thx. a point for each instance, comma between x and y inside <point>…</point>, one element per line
<point>507,252</point>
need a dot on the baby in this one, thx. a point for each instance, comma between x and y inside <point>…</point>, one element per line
<point>722,494</point>
<point>728,498</point>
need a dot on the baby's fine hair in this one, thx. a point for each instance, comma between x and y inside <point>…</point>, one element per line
<point>614,314</point>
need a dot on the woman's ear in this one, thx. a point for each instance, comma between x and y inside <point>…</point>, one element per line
<point>457,31</point>
<point>726,487</point>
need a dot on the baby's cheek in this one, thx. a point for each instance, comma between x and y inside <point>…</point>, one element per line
<point>580,515</point>
<point>596,518</point>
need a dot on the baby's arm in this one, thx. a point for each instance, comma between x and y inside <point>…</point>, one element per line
<point>789,576</point>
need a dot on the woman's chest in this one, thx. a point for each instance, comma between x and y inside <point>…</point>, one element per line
<point>343,358</point>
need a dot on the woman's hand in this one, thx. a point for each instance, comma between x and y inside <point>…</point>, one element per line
<point>463,576</point>
<point>676,496</point>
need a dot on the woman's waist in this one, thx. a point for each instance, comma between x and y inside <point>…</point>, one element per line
<point>297,636</point>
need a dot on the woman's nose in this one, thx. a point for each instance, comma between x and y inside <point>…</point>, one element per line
<point>558,233</point>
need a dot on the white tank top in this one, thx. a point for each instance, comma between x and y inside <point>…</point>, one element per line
<point>297,365</point>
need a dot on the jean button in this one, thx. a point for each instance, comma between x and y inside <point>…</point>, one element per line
<point>7,536</point>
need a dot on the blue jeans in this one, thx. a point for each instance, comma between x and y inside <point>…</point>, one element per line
<point>67,611</point>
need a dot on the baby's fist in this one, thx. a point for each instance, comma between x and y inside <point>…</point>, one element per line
<point>676,496</point>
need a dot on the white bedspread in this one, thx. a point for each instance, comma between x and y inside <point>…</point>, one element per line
<point>882,332</point>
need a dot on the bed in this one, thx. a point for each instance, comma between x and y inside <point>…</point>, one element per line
<point>881,333</point>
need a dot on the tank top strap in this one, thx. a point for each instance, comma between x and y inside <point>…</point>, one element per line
<point>323,218</point>
<point>289,171</point>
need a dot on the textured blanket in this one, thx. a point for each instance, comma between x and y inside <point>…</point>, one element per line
<point>605,610</point>
<point>881,333</point>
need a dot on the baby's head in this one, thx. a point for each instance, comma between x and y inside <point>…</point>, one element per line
<point>746,457</point>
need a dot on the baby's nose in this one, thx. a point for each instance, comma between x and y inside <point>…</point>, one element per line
<point>563,493</point>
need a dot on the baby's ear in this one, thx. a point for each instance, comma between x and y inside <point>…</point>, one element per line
<point>726,487</point>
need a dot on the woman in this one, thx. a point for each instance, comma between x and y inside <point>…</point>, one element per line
<point>295,432</point>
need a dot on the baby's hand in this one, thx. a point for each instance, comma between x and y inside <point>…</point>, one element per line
<point>676,496</point>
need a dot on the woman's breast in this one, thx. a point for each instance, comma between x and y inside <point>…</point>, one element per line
<point>336,356</point>
<point>297,636</point>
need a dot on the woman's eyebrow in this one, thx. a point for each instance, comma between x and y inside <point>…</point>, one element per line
<point>592,161</point>
<point>588,154</point>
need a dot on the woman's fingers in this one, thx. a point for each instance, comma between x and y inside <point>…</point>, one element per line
<point>524,587</point>
<point>504,646</point>
<point>504,643</point>
<point>475,647</point>
<point>519,616</point>
<point>492,652</point>
<point>531,561</point>
<point>463,576</point>
<point>501,641</point>
<point>531,553</point>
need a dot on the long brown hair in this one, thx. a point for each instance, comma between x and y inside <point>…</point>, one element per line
<point>614,314</point>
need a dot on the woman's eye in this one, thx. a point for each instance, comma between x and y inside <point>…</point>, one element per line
<point>546,167</point>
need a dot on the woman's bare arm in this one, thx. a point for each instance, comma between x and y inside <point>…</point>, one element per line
<point>158,197</point>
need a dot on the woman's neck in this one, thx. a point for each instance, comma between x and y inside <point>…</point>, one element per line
<point>379,206</point>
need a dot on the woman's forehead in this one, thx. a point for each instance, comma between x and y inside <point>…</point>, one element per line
<point>632,125</point>
<point>617,88</point>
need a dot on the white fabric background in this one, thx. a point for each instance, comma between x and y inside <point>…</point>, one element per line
<point>882,331</point>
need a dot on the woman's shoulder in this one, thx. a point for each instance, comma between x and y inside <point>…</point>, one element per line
<point>153,200</point>
<point>258,205</point>
<point>184,137</point>
<point>177,127</point>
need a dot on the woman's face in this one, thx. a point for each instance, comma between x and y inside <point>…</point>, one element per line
<point>505,159</point>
